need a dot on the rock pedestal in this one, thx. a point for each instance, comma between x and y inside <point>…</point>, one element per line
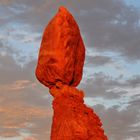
<point>60,67</point>
<point>72,119</point>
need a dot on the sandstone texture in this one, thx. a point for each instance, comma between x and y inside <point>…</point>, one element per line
<point>62,51</point>
<point>60,67</point>
<point>72,119</point>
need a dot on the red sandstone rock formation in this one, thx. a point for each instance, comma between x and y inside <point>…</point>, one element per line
<point>62,52</point>
<point>60,66</point>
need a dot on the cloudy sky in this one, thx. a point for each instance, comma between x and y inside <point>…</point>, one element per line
<point>111,78</point>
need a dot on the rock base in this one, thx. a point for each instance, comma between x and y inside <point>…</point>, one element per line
<point>72,119</point>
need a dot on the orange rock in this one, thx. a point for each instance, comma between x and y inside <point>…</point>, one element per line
<point>60,66</point>
<point>62,52</point>
<point>72,119</point>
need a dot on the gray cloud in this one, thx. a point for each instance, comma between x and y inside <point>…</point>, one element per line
<point>6,2</point>
<point>99,85</point>
<point>10,71</point>
<point>98,60</point>
<point>134,81</point>
<point>120,124</point>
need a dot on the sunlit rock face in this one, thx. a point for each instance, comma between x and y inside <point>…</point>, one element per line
<point>60,66</point>
<point>62,52</point>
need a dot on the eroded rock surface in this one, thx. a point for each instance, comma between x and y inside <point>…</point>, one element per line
<point>62,51</point>
<point>60,67</point>
<point>72,119</point>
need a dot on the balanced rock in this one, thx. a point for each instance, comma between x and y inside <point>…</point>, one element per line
<point>60,67</point>
<point>62,52</point>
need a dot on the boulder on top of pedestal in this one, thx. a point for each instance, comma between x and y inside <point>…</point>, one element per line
<point>62,51</point>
